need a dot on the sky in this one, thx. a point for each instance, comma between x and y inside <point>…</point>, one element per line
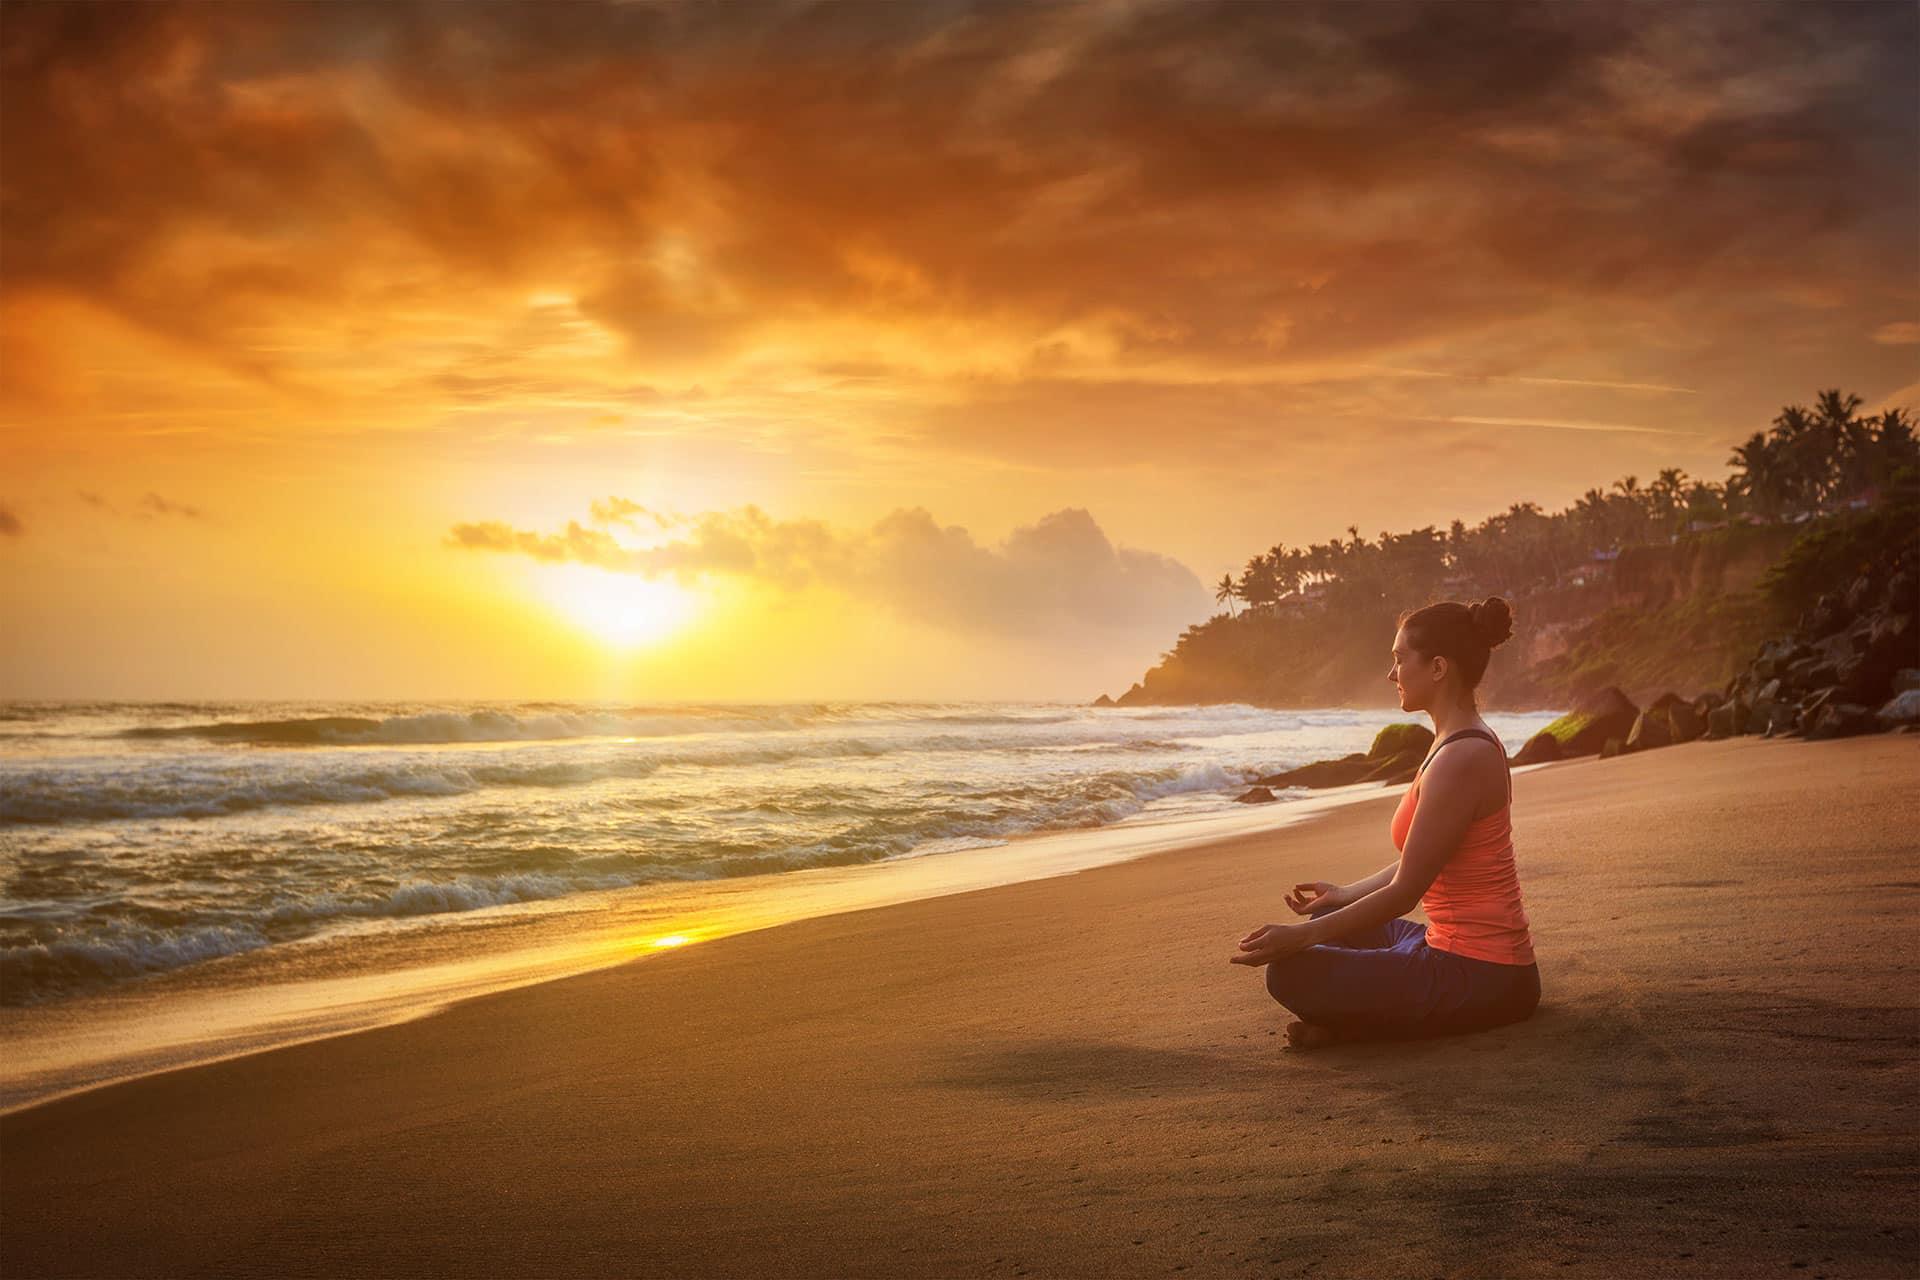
<point>766,352</point>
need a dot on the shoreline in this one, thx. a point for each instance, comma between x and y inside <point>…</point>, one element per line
<point>251,1003</point>
<point>1065,1075</point>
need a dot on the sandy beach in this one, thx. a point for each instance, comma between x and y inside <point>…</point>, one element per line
<point>1067,1077</point>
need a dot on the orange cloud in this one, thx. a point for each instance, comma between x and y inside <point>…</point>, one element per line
<point>1060,573</point>
<point>749,200</point>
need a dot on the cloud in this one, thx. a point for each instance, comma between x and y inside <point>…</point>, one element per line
<point>622,511</point>
<point>1906,398</point>
<point>10,526</point>
<point>1059,574</point>
<point>1556,425</point>
<point>960,197</point>
<point>1900,333</point>
<point>580,545</point>
<point>1545,382</point>
<point>152,504</point>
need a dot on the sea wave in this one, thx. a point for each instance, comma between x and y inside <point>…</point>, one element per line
<point>202,787</point>
<point>78,958</point>
<point>50,957</point>
<point>61,795</point>
<point>431,728</point>
<point>34,971</point>
<point>551,722</point>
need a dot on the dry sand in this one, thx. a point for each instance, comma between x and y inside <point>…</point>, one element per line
<point>1067,1078</point>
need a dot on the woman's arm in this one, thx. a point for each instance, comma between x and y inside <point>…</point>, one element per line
<point>1446,810</point>
<point>1351,893</point>
<point>1360,905</point>
<point>1388,902</point>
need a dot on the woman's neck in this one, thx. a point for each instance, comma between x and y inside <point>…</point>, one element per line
<point>1449,720</point>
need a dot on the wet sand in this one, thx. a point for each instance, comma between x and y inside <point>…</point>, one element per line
<point>1067,1077</point>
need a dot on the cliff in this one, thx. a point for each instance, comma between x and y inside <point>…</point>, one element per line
<point>1685,614</point>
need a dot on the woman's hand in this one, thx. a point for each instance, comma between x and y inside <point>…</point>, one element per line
<point>1271,942</point>
<point>1306,897</point>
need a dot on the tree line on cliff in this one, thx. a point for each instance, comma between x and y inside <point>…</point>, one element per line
<point>1313,616</point>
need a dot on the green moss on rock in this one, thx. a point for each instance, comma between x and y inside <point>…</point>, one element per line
<point>1397,739</point>
<point>1568,726</point>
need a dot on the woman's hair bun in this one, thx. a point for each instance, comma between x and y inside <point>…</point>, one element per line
<point>1492,621</point>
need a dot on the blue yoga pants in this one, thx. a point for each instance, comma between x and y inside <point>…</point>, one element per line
<point>1386,983</point>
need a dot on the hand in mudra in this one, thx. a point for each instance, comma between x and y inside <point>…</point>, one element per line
<point>1306,897</point>
<point>1272,942</point>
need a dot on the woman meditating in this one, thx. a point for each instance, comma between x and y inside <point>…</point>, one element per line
<point>1355,969</point>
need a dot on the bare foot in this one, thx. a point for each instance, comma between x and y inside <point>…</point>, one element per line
<point>1310,1035</point>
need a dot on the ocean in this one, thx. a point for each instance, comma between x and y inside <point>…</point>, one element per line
<point>183,882</point>
<point>142,838</point>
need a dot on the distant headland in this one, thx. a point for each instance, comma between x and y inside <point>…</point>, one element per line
<point>1787,589</point>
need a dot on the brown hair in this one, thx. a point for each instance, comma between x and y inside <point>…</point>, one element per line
<point>1464,634</point>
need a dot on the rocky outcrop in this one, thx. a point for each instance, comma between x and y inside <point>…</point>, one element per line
<point>1324,773</point>
<point>1541,748</point>
<point>1851,666</point>
<point>1852,656</point>
<point>1686,721</point>
<point>1650,729</point>
<point>1398,739</point>
<point>1902,708</point>
<point>1395,756</point>
<point>1844,670</point>
<point>1584,730</point>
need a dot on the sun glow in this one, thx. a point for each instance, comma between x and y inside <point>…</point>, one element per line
<point>622,609</point>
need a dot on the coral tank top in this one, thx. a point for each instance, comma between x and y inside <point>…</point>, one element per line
<point>1473,906</point>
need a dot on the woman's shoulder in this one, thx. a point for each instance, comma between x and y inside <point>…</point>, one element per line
<point>1487,764</point>
<point>1483,748</point>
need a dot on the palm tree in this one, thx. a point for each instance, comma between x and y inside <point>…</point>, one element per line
<point>1893,446</point>
<point>1589,516</point>
<point>1257,586</point>
<point>1835,408</point>
<point>1757,475</point>
<point>1703,502</point>
<point>1804,449</point>
<point>1630,501</point>
<point>1285,564</point>
<point>1664,493</point>
<point>1225,592</point>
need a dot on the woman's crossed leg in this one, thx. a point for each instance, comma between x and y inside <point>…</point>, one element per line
<point>1357,992</point>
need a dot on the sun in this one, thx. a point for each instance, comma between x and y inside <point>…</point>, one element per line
<point>623,610</point>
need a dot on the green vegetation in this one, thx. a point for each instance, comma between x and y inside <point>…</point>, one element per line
<point>1830,555</point>
<point>1637,570</point>
<point>1691,645</point>
<point>1395,738</point>
<point>1568,727</point>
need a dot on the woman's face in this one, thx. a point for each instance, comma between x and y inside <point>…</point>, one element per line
<point>1412,674</point>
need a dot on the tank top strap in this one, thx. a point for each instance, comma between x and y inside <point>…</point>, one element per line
<point>1474,733</point>
<point>1467,733</point>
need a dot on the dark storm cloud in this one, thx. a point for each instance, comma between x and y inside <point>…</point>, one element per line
<point>1219,185</point>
